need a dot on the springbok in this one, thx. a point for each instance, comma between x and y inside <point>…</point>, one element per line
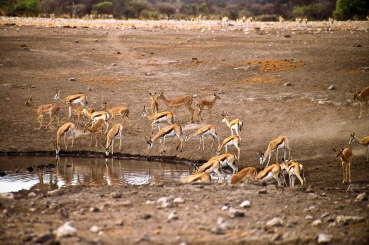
<point>202,177</point>
<point>117,110</point>
<point>51,109</point>
<point>274,171</point>
<point>279,143</point>
<point>62,131</point>
<point>243,175</point>
<point>178,102</point>
<point>72,99</point>
<point>154,104</point>
<point>345,157</point>
<point>168,131</point>
<point>206,105</point>
<point>201,132</point>
<point>231,140</point>
<point>364,141</point>
<point>294,169</point>
<point>235,124</point>
<point>114,133</point>
<point>362,97</point>
<point>159,117</point>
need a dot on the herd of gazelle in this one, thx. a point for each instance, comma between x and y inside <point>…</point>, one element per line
<point>99,121</point>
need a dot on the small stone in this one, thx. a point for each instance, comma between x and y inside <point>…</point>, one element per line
<point>94,210</point>
<point>316,222</point>
<point>115,195</point>
<point>233,213</point>
<point>353,188</point>
<point>173,216</point>
<point>361,197</point>
<point>262,191</point>
<point>96,40</point>
<point>33,86</point>
<point>341,219</point>
<point>308,217</point>
<point>178,200</point>
<point>76,41</point>
<point>113,64</point>
<point>66,230</point>
<point>164,202</point>
<point>245,204</point>
<point>119,222</point>
<point>63,213</point>
<point>287,84</point>
<point>32,194</point>
<point>324,238</point>
<point>95,229</point>
<point>331,87</point>
<point>149,202</point>
<point>276,221</point>
<point>72,79</point>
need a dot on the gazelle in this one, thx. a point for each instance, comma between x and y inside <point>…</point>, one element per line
<point>213,165</point>
<point>273,171</point>
<point>227,159</point>
<point>201,132</point>
<point>168,131</point>
<point>62,131</point>
<point>114,133</point>
<point>117,110</point>
<point>243,175</point>
<point>281,19</point>
<point>96,115</point>
<point>159,117</point>
<point>206,105</point>
<point>279,143</point>
<point>362,97</point>
<point>51,109</point>
<point>72,99</point>
<point>231,140</point>
<point>95,128</point>
<point>202,177</point>
<point>154,104</point>
<point>78,110</point>
<point>178,102</point>
<point>235,124</point>
<point>364,141</point>
<point>294,169</point>
<point>345,156</point>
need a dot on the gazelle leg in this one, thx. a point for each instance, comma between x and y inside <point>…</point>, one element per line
<point>343,172</point>
<point>66,148</point>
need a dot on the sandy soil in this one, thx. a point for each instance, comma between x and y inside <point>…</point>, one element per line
<point>249,67</point>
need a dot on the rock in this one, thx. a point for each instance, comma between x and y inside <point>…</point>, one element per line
<point>245,204</point>
<point>324,238</point>
<point>353,188</point>
<point>7,195</point>
<point>95,229</point>
<point>341,219</point>
<point>164,202</point>
<point>331,87</point>
<point>364,69</point>
<point>276,221</point>
<point>233,213</point>
<point>178,200</point>
<point>221,92</point>
<point>76,41</point>
<point>287,84</point>
<point>312,196</point>
<point>113,64</point>
<point>63,213</point>
<point>172,216</point>
<point>308,217</point>
<point>361,197</point>
<point>72,79</point>
<point>33,86</point>
<point>66,230</point>
<point>32,194</point>
<point>115,195</point>
<point>94,210</point>
<point>316,222</point>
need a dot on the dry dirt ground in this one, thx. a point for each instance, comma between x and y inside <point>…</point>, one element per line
<point>248,66</point>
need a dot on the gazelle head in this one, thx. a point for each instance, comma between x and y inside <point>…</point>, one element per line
<point>354,94</point>
<point>104,104</point>
<point>338,151</point>
<point>149,143</point>
<point>224,115</point>
<point>144,112</point>
<point>160,96</point>
<point>107,152</point>
<point>57,148</point>
<point>352,138</point>
<point>261,156</point>
<point>57,95</point>
<point>28,102</point>
<point>187,138</point>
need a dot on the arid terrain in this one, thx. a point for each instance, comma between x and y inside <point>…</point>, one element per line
<point>277,78</point>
